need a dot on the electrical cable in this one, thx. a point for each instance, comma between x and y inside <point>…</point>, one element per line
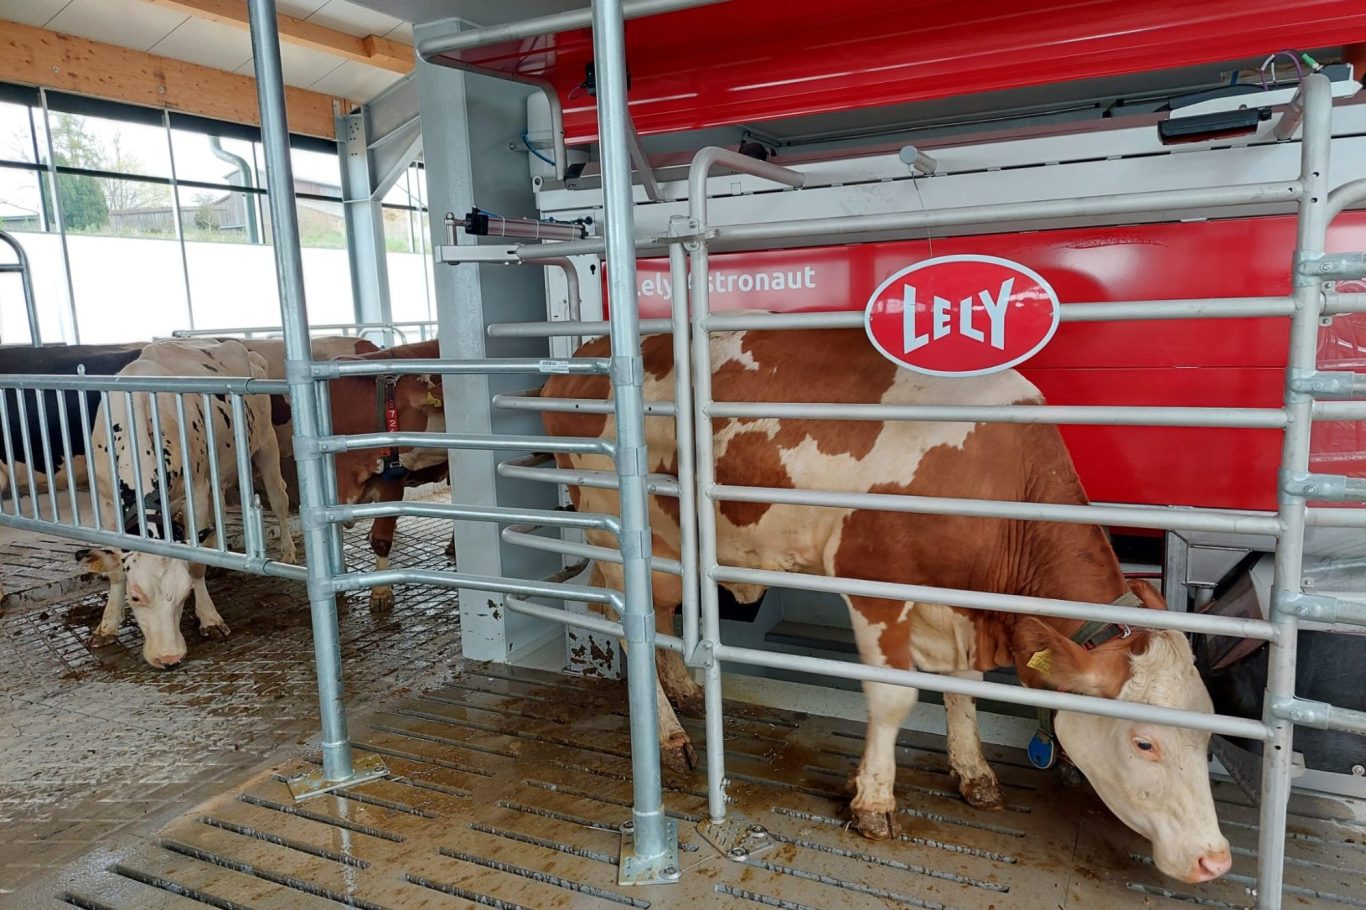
<point>527,142</point>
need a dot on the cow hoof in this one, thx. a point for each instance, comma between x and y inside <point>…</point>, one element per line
<point>101,638</point>
<point>677,754</point>
<point>982,792</point>
<point>381,600</point>
<point>875,825</point>
<point>215,630</point>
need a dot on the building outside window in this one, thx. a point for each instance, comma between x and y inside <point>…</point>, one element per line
<point>161,222</point>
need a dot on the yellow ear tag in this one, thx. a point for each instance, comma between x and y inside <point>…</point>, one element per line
<point>1041,661</point>
<point>432,401</point>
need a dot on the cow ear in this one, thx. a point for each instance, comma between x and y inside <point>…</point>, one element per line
<point>418,393</point>
<point>99,560</point>
<point>1045,658</point>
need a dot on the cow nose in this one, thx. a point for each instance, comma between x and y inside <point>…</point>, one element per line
<point>1213,865</point>
<point>169,662</point>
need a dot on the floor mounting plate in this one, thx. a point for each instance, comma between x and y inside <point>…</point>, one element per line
<point>657,870</point>
<point>365,766</point>
<point>737,837</point>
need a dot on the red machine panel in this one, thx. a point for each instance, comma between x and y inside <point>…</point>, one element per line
<point>741,61</point>
<point>1205,363</point>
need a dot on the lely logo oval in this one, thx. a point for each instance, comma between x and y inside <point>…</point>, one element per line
<point>962,315</point>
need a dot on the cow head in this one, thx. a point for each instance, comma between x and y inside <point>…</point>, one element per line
<point>1154,778</point>
<point>356,408</point>
<point>156,588</point>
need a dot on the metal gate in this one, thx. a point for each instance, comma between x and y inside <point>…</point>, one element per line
<point>650,840</point>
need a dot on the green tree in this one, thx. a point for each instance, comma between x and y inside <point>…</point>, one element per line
<point>84,206</point>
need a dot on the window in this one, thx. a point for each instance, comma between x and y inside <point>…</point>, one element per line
<point>167,223</point>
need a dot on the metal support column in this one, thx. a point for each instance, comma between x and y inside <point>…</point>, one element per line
<point>364,224</point>
<point>1310,240</point>
<point>338,769</point>
<point>649,852</point>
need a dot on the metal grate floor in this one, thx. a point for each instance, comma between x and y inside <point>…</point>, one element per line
<point>506,788</point>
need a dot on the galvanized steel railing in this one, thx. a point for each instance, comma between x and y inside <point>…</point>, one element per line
<point>1313,297</point>
<point>424,329</point>
<point>20,267</point>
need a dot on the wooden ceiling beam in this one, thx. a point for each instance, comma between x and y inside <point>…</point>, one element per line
<point>35,56</point>
<point>372,50</point>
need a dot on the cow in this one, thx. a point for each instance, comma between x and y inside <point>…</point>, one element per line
<point>1154,778</point>
<point>359,405</point>
<point>41,409</point>
<point>156,586</point>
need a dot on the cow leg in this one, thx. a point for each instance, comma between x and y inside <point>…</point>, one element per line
<point>267,461</point>
<point>874,804</point>
<point>381,542</point>
<point>675,747</point>
<point>211,625</point>
<point>108,630</point>
<point>976,781</point>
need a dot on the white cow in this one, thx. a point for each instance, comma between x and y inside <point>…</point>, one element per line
<point>156,586</point>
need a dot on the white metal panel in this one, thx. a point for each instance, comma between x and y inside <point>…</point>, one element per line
<point>299,9</point>
<point>401,32</point>
<point>207,44</point>
<point>127,23</point>
<point>303,67</point>
<point>352,19</point>
<point>355,81</point>
<point>31,12</point>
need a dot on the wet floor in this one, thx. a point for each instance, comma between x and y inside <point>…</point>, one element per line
<point>97,749</point>
<point>505,789</point>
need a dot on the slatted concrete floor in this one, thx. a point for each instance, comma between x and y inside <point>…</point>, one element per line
<point>506,789</point>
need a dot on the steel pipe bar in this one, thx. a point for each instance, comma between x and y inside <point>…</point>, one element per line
<point>1341,198</point>
<point>1320,715</point>
<point>338,769</point>
<point>21,265</point>
<point>1038,698</point>
<point>488,443</point>
<point>215,480</point>
<point>1335,518</point>
<point>525,469</point>
<point>1090,415</point>
<point>1337,304</point>
<point>584,521</point>
<point>569,328</point>
<point>237,562</point>
<point>520,535</point>
<point>1171,519</point>
<point>684,445</point>
<point>544,25</point>
<point>528,401</point>
<point>333,369</point>
<point>1117,204</point>
<point>341,327</point>
<point>226,385</point>
<point>598,624</point>
<point>1310,241</point>
<point>654,836</point>
<point>11,480</point>
<point>355,581</point>
<point>1141,617</point>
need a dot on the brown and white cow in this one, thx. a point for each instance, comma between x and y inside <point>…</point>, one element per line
<point>358,405</point>
<point>157,586</point>
<point>1154,778</point>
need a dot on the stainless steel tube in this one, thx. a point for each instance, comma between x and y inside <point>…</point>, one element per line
<point>1202,623</point>
<point>1119,516</point>
<point>87,426</point>
<point>521,536</point>
<point>215,479</point>
<point>545,25</point>
<point>64,426</point>
<point>1118,204</point>
<point>255,543</point>
<point>685,445</point>
<point>120,520</point>
<point>589,621</point>
<point>523,469</point>
<point>529,402</point>
<point>1076,415</point>
<point>134,447</point>
<point>12,481</point>
<point>487,443</point>
<point>191,517</point>
<point>332,369</point>
<point>1019,695</point>
<point>1311,237</point>
<point>265,43</point>
<point>651,839</point>
<point>456,512</point>
<point>158,452</point>
<point>35,333</point>
<point>569,327</point>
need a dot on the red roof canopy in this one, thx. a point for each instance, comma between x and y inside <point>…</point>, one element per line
<point>747,61</point>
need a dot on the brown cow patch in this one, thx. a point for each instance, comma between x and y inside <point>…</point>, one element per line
<point>669,504</point>
<point>751,455</point>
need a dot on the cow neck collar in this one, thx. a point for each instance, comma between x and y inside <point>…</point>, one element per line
<point>1044,750</point>
<point>386,413</point>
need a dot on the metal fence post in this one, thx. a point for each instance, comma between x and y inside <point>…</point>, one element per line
<point>649,851</point>
<point>338,767</point>
<point>1311,237</point>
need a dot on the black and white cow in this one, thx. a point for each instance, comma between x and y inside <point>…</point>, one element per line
<point>156,587</point>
